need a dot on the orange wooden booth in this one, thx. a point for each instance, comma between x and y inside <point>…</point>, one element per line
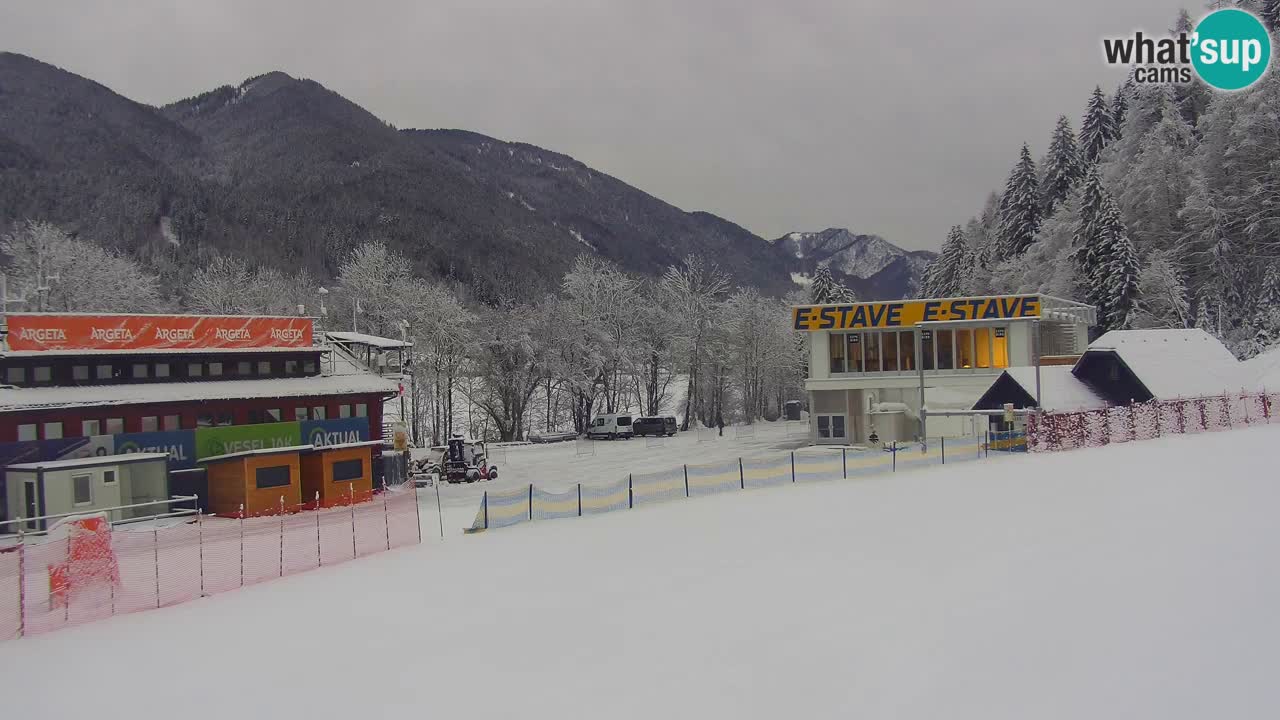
<point>256,479</point>
<point>338,474</point>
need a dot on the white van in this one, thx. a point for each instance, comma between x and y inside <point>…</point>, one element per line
<point>610,426</point>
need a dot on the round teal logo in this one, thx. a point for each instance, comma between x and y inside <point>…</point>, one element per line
<point>1231,49</point>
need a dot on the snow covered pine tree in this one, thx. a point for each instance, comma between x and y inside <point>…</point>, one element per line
<point>1098,127</point>
<point>1063,168</point>
<point>1020,210</point>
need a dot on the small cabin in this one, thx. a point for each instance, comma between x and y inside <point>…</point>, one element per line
<point>260,481</point>
<point>86,485</point>
<point>337,474</point>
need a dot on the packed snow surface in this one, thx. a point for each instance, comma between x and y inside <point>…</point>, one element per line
<point>1132,581</point>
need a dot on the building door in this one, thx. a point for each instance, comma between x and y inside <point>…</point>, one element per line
<point>831,427</point>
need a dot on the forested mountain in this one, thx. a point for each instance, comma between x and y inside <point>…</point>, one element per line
<point>283,172</point>
<point>1163,212</point>
<point>869,265</point>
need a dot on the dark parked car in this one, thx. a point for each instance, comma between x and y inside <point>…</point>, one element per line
<point>656,426</point>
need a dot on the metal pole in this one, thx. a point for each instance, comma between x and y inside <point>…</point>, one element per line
<point>793,466</point>
<point>530,501</point>
<point>742,476</point>
<point>200,536</point>
<point>22,585</point>
<point>439,511</point>
<point>351,494</point>
<point>319,556</point>
<point>686,478</point>
<point>155,534</point>
<point>943,441</point>
<point>281,536</point>
<point>386,519</point>
<point>485,502</point>
<point>894,452</point>
<point>844,463</point>
<point>631,493</point>
<point>579,499</point>
<point>241,544</point>
<point>919,340</point>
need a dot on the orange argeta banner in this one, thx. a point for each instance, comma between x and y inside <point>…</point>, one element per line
<point>155,332</point>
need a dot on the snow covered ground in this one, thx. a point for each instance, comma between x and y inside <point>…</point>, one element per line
<point>1131,581</point>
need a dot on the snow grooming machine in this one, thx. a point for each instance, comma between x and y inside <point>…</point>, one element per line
<point>466,461</point>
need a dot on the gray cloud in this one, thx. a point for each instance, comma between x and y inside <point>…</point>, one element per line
<point>893,118</point>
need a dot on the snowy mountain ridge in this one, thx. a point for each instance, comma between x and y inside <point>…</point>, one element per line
<point>871,266</point>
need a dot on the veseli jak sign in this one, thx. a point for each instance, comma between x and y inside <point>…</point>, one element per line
<point>36,331</point>
<point>907,313</point>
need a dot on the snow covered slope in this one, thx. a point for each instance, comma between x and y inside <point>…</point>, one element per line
<point>1133,581</point>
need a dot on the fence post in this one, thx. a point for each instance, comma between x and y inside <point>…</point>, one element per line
<point>386,514</point>
<point>579,499</point>
<point>22,585</point>
<point>319,556</point>
<point>793,466</point>
<point>686,481</point>
<point>241,544</point>
<point>485,504</point>
<point>351,495</point>
<point>1159,405</point>
<point>1226,402</point>
<point>200,540</point>
<point>281,536</point>
<point>531,502</point>
<point>942,442</point>
<point>631,494</point>
<point>155,534</point>
<point>844,463</point>
<point>1266,405</point>
<point>742,476</point>
<point>894,453</point>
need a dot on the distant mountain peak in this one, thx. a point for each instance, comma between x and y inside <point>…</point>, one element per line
<point>873,267</point>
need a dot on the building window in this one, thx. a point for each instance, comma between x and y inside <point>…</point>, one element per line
<point>43,374</point>
<point>15,375</point>
<point>162,370</point>
<point>215,369</point>
<point>871,351</point>
<point>204,420</point>
<point>362,410</point>
<point>225,418</point>
<point>299,413</point>
<point>103,372</point>
<point>80,372</point>
<point>139,371</point>
<point>244,368</point>
<point>348,470</point>
<point>53,431</point>
<point>964,348</point>
<point>317,412</point>
<point>275,414</point>
<point>309,367</point>
<point>264,367</point>
<point>830,427</point>
<point>108,477</point>
<point>344,411</point>
<point>89,428</point>
<point>982,347</point>
<point>115,426</point>
<point>926,349</point>
<point>82,489</point>
<point>172,422</point>
<point>945,359</point>
<point>151,423</point>
<point>273,476</point>
<point>907,351</point>
<point>195,370</point>
<point>836,344</point>
<point>290,367</point>
<point>889,345</point>
<point>27,432</point>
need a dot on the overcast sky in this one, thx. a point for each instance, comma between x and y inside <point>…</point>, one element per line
<point>887,117</point>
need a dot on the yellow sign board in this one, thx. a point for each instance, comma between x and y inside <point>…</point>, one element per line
<point>906,313</point>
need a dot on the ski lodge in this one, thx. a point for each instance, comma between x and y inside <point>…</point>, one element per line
<point>189,386</point>
<point>874,365</point>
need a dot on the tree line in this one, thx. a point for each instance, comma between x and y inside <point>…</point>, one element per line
<point>1162,212</point>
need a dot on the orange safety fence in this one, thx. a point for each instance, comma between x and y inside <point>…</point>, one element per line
<point>94,570</point>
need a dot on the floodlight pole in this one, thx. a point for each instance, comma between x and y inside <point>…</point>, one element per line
<point>919,340</point>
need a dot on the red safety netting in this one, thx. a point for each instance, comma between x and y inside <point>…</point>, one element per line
<point>84,569</point>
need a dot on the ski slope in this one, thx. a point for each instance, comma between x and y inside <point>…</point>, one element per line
<point>1131,581</point>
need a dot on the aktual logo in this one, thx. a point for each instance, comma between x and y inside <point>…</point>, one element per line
<point>321,437</point>
<point>1229,49</point>
<point>286,334</point>
<point>236,334</point>
<point>43,334</point>
<point>175,334</point>
<point>111,334</point>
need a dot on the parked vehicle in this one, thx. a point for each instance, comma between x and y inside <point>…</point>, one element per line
<point>611,427</point>
<point>466,460</point>
<point>655,426</point>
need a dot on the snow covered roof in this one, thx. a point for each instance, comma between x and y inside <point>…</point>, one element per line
<point>339,383</point>
<point>256,451</point>
<point>362,339</point>
<point>1263,371</point>
<point>1173,363</point>
<point>1059,388</point>
<point>93,461</point>
<point>159,351</point>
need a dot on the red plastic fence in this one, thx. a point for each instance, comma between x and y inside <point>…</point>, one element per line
<point>1142,421</point>
<point>44,584</point>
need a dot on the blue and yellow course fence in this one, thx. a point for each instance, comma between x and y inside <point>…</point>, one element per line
<point>505,508</point>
